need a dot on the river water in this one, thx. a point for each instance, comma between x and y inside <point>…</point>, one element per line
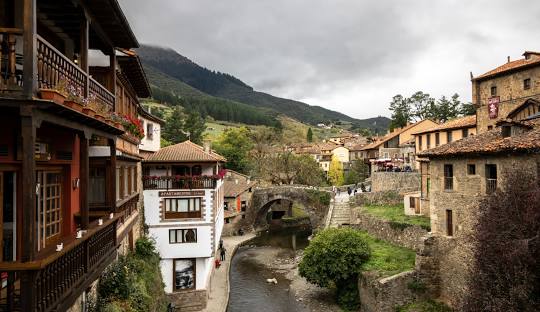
<point>249,290</point>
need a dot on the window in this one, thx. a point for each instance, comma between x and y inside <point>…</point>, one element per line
<point>184,276</point>
<point>226,205</point>
<point>412,202</point>
<point>150,131</point>
<point>196,170</point>
<point>178,208</point>
<point>122,188</point>
<point>97,186</point>
<point>465,133</point>
<point>243,205</point>
<point>527,84</point>
<point>491,178</point>
<point>449,223</point>
<point>129,182</point>
<point>471,169</point>
<point>420,143</point>
<point>428,141</point>
<point>448,177</point>
<point>493,90</point>
<point>490,127</point>
<point>437,139</point>
<point>448,136</point>
<point>178,236</point>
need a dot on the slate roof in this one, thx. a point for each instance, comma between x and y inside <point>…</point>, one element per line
<point>492,142</point>
<point>458,123</point>
<point>510,66</point>
<point>186,151</point>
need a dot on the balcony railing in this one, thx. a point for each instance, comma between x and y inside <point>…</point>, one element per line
<point>448,183</point>
<point>172,182</point>
<point>53,280</point>
<point>53,66</point>
<point>491,185</point>
<point>126,208</point>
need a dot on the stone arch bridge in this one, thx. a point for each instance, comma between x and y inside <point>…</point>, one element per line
<point>316,202</point>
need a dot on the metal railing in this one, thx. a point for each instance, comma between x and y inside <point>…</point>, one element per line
<point>491,185</point>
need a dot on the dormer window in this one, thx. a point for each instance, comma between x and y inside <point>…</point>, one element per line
<point>527,84</point>
<point>493,90</point>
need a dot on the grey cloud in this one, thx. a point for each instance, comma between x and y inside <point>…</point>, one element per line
<point>351,56</point>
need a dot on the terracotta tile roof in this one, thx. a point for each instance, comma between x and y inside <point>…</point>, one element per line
<point>357,147</point>
<point>233,189</point>
<point>389,136</point>
<point>492,142</point>
<point>463,122</point>
<point>510,66</point>
<point>186,151</point>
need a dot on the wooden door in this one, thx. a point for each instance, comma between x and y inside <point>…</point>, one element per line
<point>449,223</point>
<point>50,207</point>
<point>417,205</point>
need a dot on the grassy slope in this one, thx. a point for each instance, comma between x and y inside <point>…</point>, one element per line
<point>396,214</point>
<point>388,259</point>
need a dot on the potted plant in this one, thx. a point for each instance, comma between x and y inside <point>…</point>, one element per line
<point>57,94</point>
<point>74,98</point>
<point>88,104</point>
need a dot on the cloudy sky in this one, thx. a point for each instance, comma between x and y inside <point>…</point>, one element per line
<point>347,55</point>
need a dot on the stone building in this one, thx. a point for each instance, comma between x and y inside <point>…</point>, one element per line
<point>462,173</point>
<point>238,190</point>
<point>152,125</point>
<point>499,91</point>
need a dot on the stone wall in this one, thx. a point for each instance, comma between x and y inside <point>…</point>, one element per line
<point>191,300</point>
<point>376,198</point>
<point>405,235</point>
<point>385,294</point>
<point>395,181</point>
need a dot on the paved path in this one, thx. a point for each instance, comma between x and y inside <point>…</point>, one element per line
<point>219,288</point>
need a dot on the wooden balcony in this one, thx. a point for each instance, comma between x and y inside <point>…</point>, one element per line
<point>52,67</point>
<point>178,183</point>
<point>55,279</point>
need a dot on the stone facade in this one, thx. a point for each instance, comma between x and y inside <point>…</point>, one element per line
<point>188,301</point>
<point>408,236</point>
<point>376,198</point>
<point>509,88</point>
<point>452,247</point>
<point>385,294</point>
<point>387,181</point>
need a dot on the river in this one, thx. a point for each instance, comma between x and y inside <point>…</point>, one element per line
<point>273,255</point>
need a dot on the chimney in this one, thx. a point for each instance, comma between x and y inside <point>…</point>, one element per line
<point>207,144</point>
<point>508,59</point>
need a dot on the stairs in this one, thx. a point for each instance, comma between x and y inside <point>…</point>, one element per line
<point>341,213</point>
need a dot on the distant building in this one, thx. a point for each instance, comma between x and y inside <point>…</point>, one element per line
<point>183,200</point>
<point>238,189</point>
<point>498,92</point>
<point>152,133</point>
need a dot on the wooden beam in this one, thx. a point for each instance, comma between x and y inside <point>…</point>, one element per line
<point>83,53</point>
<point>29,49</point>
<point>112,76</point>
<point>111,186</point>
<point>29,231</point>
<point>84,180</point>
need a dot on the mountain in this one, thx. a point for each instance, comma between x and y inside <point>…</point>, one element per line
<point>169,71</point>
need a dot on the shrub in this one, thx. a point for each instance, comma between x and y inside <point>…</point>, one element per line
<point>319,197</point>
<point>334,258</point>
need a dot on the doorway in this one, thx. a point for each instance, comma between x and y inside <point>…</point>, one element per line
<point>49,207</point>
<point>8,216</point>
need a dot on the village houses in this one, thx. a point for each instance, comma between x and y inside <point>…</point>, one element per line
<point>238,190</point>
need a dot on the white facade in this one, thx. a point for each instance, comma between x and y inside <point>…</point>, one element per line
<point>207,226</point>
<point>152,135</point>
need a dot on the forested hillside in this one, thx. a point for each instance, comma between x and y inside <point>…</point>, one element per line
<point>174,73</point>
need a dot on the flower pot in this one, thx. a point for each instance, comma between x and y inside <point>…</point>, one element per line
<point>88,111</point>
<point>99,117</point>
<point>73,105</point>
<point>52,95</point>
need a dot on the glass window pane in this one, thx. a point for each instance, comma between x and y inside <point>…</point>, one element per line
<point>183,205</point>
<point>197,204</point>
<point>172,236</point>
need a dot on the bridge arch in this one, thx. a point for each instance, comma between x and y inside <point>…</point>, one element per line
<point>315,202</point>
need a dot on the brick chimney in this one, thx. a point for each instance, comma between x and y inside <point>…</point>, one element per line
<point>207,144</point>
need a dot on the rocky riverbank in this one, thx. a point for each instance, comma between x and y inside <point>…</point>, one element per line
<point>285,263</point>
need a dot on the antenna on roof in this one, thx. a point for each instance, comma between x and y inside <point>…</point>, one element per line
<point>471,75</point>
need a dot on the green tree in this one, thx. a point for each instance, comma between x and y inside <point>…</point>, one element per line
<point>309,135</point>
<point>195,125</point>
<point>401,111</point>
<point>467,109</point>
<point>334,257</point>
<point>335,172</point>
<point>173,131</point>
<point>288,168</point>
<point>235,145</point>
<point>361,169</point>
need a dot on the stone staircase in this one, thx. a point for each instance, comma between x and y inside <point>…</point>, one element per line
<point>341,212</point>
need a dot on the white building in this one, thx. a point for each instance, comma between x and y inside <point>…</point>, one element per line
<point>152,133</point>
<point>183,200</point>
